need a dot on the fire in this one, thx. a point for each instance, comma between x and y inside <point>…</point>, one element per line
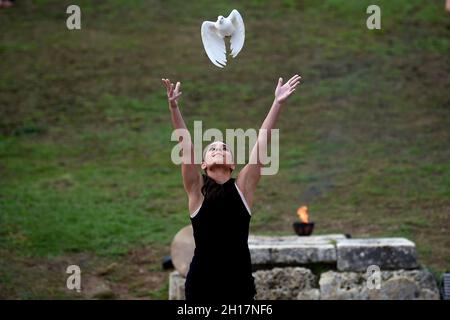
<point>302,213</point>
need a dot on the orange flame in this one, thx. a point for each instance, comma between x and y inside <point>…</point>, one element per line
<point>302,213</point>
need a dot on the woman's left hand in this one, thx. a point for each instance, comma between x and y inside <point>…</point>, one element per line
<point>283,91</point>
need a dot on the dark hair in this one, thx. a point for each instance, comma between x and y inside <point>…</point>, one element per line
<point>211,190</point>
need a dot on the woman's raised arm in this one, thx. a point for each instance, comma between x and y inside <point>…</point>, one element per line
<point>189,169</point>
<point>249,176</point>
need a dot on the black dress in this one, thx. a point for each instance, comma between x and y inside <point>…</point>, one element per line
<point>221,268</point>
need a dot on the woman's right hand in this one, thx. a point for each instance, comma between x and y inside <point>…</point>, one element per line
<point>173,92</point>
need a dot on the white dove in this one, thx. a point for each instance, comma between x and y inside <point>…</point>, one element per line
<point>214,33</point>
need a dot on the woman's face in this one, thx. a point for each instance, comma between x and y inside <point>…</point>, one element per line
<point>218,153</point>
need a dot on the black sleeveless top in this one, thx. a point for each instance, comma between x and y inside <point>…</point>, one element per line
<point>221,268</point>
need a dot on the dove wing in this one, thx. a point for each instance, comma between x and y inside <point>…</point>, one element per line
<point>238,36</point>
<point>214,44</point>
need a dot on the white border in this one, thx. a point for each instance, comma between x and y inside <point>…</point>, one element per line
<point>196,211</point>
<point>243,199</point>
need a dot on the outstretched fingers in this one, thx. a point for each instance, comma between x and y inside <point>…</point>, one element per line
<point>167,84</point>
<point>295,84</point>
<point>177,95</point>
<point>292,89</point>
<point>294,79</point>
<point>178,90</point>
<point>173,91</point>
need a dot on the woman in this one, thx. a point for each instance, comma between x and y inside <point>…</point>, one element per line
<point>220,207</point>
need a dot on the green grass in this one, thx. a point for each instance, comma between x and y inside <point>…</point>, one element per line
<point>85,129</point>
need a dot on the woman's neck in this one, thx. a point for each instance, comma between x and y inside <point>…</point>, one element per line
<point>219,174</point>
